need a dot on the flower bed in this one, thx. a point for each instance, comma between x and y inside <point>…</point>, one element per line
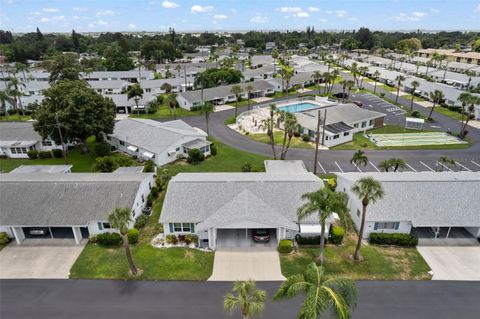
<point>171,240</point>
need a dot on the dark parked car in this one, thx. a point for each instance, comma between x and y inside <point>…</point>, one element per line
<point>358,103</point>
<point>38,231</point>
<point>340,95</point>
<point>261,235</point>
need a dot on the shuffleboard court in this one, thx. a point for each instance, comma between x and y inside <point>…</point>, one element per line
<point>414,139</point>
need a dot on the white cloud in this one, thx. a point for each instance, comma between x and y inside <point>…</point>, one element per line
<point>329,12</point>
<point>259,19</point>
<point>220,17</point>
<point>341,13</point>
<point>102,22</point>
<point>50,10</point>
<point>313,9</point>
<point>233,10</point>
<point>170,5</point>
<point>477,8</point>
<point>412,16</point>
<point>295,11</point>
<point>418,14</point>
<point>52,19</point>
<point>323,20</point>
<point>131,26</point>
<point>80,9</point>
<point>434,10</point>
<point>76,17</point>
<point>201,9</point>
<point>45,20</point>
<point>103,13</point>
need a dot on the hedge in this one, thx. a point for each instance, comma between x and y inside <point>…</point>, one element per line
<point>404,240</point>
<point>132,236</point>
<point>314,240</point>
<point>285,246</point>
<point>4,239</point>
<point>336,235</point>
<point>108,239</point>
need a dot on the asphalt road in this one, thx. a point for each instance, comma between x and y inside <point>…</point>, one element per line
<point>51,299</point>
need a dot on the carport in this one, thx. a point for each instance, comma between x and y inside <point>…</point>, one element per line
<point>54,232</point>
<point>238,237</point>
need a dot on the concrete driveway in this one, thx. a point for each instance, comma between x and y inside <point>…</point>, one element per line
<point>238,263</point>
<point>452,262</point>
<point>46,260</point>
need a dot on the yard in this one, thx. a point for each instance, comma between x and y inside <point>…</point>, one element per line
<point>15,117</point>
<point>379,263</point>
<point>296,142</point>
<point>242,103</point>
<point>165,112</point>
<point>453,114</point>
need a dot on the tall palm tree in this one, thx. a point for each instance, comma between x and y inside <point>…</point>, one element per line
<point>167,87</point>
<point>249,90</point>
<point>436,97</point>
<point>428,64</point>
<point>202,80</point>
<point>324,203</point>
<point>268,125</point>
<point>359,158</point>
<point>14,88</point>
<point>368,191</point>
<point>288,74</point>
<point>343,83</point>
<point>121,219</point>
<point>395,163</point>
<point>415,84</point>
<point>290,126</point>
<point>469,73</point>
<point>172,104</point>
<point>206,109</point>
<point>4,100</point>
<point>317,77</point>
<point>135,92</point>
<point>399,79</point>
<point>349,85</point>
<point>363,72</point>
<point>237,90</point>
<point>324,294</point>
<point>245,297</point>
<point>468,108</point>
<point>178,68</point>
<point>20,67</point>
<point>375,76</point>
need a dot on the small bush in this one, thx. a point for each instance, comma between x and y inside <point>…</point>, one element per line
<point>454,108</point>
<point>93,239</point>
<point>141,221</point>
<point>171,239</point>
<point>415,113</point>
<point>109,239</point>
<point>32,154</point>
<point>44,154</point>
<point>132,236</point>
<point>181,238</point>
<point>213,150</point>
<point>57,153</point>
<point>4,239</point>
<point>149,167</point>
<point>285,246</point>
<point>313,240</point>
<point>336,235</point>
<point>105,164</point>
<point>247,167</point>
<point>332,183</point>
<point>150,199</point>
<point>195,156</point>
<point>191,238</point>
<point>396,239</point>
<point>305,137</point>
<point>155,191</point>
<point>445,105</point>
<point>102,149</point>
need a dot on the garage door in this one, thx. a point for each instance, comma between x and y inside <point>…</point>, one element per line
<point>48,232</point>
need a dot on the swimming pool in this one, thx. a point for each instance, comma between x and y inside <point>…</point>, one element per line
<point>299,107</point>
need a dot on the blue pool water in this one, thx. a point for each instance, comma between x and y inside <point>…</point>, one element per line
<point>298,107</point>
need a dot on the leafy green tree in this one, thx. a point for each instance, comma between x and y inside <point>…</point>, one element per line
<point>368,191</point>
<point>436,97</point>
<point>5,98</point>
<point>324,295</point>
<point>317,77</point>
<point>237,90</point>
<point>323,203</point>
<point>81,111</point>
<point>63,67</point>
<point>76,40</point>
<point>172,104</point>
<point>121,219</point>
<point>468,109</point>
<point>14,89</point>
<point>167,87</point>
<point>135,92</point>
<point>116,60</point>
<point>246,297</point>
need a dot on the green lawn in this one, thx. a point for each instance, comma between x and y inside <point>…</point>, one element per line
<point>379,263</point>
<point>242,103</point>
<point>296,142</point>
<point>15,117</point>
<point>165,112</point>
<point>445,111</point>
<point>415,98</point>
<point>278,95</point>
<point>387,87</point>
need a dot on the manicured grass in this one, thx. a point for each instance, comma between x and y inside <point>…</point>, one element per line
<point>296,142</point>
<point>230,120</point>
<point>165,112</point>
<point>387,87</point>
<point>15,117</point>
<point>415,98</point>
<point>445,111</point>
<point>278,95</point>
<point>379,263</point>
<point>242,103</point>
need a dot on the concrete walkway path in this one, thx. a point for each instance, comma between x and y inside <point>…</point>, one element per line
<point>237,263</point>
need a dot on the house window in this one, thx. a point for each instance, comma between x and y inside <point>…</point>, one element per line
<point>106,225</point>
<point>177,149</point>
<point>386,225</point>
<point>336,136</point>
<point>355,125</point>
<point>143,199</point>
<point>186,227</point>
<point>177,227</point>
<point>364,124</point>
<point>358,212</point>
<point>122,143</point>
<point>148,90</point>
<point>346,133</point>
<point>370,123</point>
<point>13,150</point>
<point>46,143</point>
<point>149,185</point>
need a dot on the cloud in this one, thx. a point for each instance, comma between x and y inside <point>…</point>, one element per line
<point>76,17</point>
<point>412,16</point>
<point>170,5</point>
<point>132,26</point>
<point>201,9</point>
<point>103,13</point>
<point>259,19</point>
<point>80,9</point>
<point>220,17</point>
<point>313,9</point>
<point>45,20</point>
<point>295,11</point>
<point>323,20</point>
<point>52,19</point>
<point>102,22</point>
<point>302,15</point>
<point>432,10</point>
<point>341,13</point>
<point>50,10</point>
<point>477,8</point>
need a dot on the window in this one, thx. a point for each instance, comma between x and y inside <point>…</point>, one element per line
<point>185,150</point>
<point>346,133</point>
<point>143,199</point>
<point>122,143</point>
<point>46,143</point>
<point>106,225</point>
<point>148,90</point>
<point>177,227</point>
<point>355,125</point>
<point>186,227</point>
<point>177,149</point>
<point>358,212</point>
<point>364,124</point>
<point>13,150</point>
<point>386,225</point>
<point>181,227</point>
<point>336,136</point>
<point>370,123</point>
<point>149,185</point>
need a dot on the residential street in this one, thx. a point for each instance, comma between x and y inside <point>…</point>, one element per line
<point>51,299</point>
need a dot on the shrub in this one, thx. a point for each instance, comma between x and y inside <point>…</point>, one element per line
<point>4,239</point>
<point>213,150</point>
<point>247,167</point>
<point>132,236</point>
<point>105,164</point>
<point>181,238</point>
<point>109,239</point>
<point>195,156</point>
<point>44,154</point>
<point>336,234</point>
<point>141,221</point>
<point>150,199</point>
<point>102,149</point>
<point>416,113</point>
<point>57,153</point>
<point>93,239</point>
<point>149,166</point>
<point>332,183</point>
<point>454,108</point>
<point>313,240</point>
<point>305,137</point>
<point>171,239</point>
<point>444,105</point>
<point>32,154</point>
<point>191,238</point>
<point>155,191</point>
<point>285,246</point>
<point>396,239</point>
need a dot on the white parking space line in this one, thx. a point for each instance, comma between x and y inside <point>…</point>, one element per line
<point>445,166</point>
<point>374,166</point>
<point>341,170</point>
<point>466,168</point>
<point>408,165</point>
<point>427,166</point>
<point>358,168</point>
<point>475,163</point>
<point>324,172</point>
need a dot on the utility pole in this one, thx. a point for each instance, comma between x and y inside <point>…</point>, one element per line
<point>324,124</point>
<point>61,138</point>
<point>317,139</point>
<point>185,75</point>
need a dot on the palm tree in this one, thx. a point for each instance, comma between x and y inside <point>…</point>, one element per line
<point>445,161</point>
<point>135,92</point>
<point>4,100</point>
<point>20,67</point>
<point>288,74</point>
<point>343,83</point>
<point>249,90</point>
<point>469,73</point>
<point>469,100</point>
<point>415,85</point>
<point>245,297</point>
<point>172,104</point>
<point>349,85</point>
<point>323,294</point>
<point>237,90</point>
<point>290,126</point>
<point>16,93</point>
<point>436,97</point>
<point>121,219</point>
<point>268,125</point>
<point>399,79</point>
<point>369,191</point>
<point>202,80</point>
<point>178,68</point>
<point>359,158</point>
<point>206,109</point>
<point>428,64</point>
<point>363,72</point>
<point>395,163</point>
<point>166,87</point>
<point>375,76</point>
<point>317,77</point>
<point>324,203</point>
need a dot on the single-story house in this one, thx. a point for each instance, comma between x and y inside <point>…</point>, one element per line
<point>435,203</point>
<point>222,208</point>
<point>109,86</point>
<point>77,205</point>
<point>133,76</point>
<point>128,106</point>
<point>35,169</point>
<point>299,80</point>
<point>161,142</point>
<point>17,138</point>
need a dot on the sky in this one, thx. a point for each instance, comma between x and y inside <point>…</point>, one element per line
<point>236,15</point>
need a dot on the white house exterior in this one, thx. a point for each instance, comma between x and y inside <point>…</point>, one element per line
<point>416,201</point>
<point>72,206</point>
<point>161,142</point>
<point>215,206</point>
<point>17,138</point>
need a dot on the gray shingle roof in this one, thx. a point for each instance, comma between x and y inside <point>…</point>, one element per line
<point>285,167</point>
<point>426,198</point>
<point>64,199</point>
<point>29,169</point>
<point>18,131</point>
<point>338,127</point>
